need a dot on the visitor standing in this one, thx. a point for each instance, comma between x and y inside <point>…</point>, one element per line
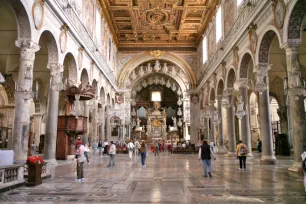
<point>95,147</point>
<point>259,144</point>
<point>80,158</point>
<point>137,147</point>
<point>205,154</point>
<point>143,153</point>
<point>105,145</point>
<point>100,146</point>
<point>156,148</point>
<point>86,152</point>
<point>112,153</point>
<point>242,151</point>
<point>131,149</point>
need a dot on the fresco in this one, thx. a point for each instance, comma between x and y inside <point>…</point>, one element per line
<point>88,12</point>
<point>229,17</point>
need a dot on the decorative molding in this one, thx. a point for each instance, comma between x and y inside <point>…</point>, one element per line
<point>157,53</point>
<point>63,38</point>
<point>38,14</point>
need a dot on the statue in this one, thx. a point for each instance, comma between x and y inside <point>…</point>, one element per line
<point>141,72</point>
<point>157,67</point>
<point>165,68</point>
<point>240,112</point>
<point>149,68</point>
<point>174,121</point>
<point>138,123</point>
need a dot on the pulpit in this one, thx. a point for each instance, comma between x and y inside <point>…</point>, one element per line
<point>68,128</point>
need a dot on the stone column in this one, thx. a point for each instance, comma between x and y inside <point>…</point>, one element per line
<point>296,90</point>
<point>23,94</point>
<point>222,148</point>
<point>56,85</point>
<point>86,114</point>
<point>213,125</point>
<point>94,121</point>
<point>245,121</point>
<point>262,86</point>
<point>231,123</point>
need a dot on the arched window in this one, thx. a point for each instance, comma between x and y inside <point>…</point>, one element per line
<point>204,44</point>
<point>219,24</point>
<point>239,2</point>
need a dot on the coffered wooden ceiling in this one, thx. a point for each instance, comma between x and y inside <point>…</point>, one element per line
<point>158,23</point>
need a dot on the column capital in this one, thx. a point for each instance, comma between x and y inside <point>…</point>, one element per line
<point>220,97</point>
<point>55,68</point>
<point>261,75</point>
<point>242,83</point>
<point>27,49</point>
<point>291,46</point>
<point>56,71</point>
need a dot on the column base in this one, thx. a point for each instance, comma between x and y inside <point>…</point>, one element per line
<point>222,150</point>
<point>269,160</point>
<point>52,162</point>
<point>231,154</point>
<point>296,167</point>
<point>250,154</point>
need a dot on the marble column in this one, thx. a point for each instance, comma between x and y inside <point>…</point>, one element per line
<point>213,125</point>
<point>86,114</point>
<point>23,94</point>
<point>296,90</point>
<point>262,86</point>
<point>56,85</point>
<point>222,148</point>
<point>94,121</point>
<point>245,121</point>
<point>231,123</point>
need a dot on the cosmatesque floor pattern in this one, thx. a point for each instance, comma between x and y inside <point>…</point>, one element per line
<point>166,179</point>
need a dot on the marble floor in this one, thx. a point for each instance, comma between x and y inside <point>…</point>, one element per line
<point>167,179</point>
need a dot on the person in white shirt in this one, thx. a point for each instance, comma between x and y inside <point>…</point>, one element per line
<point>131,149</point>
<point>112,153</point>
<point>86,152</point>
<point>137,147</point>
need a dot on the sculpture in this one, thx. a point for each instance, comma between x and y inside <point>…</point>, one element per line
<point>157,67</point>
<point>149,68</point>
<point>165,68</point>
<point>240,112</point>
<point>174,120</point>
<point>138,123</point>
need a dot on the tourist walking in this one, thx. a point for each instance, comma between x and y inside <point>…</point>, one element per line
<point>156,148</point>
<point>143,154</point>
<point>137,147</point>
<point>112,153</point>
<point>242,151</point>
<point>131,149</point>
<point>205,154</point>
<point>86,152</point>
<point>80,159</point>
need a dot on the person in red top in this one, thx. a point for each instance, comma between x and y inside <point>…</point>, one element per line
<point>78,143</point>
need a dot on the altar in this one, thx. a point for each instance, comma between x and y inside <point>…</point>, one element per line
<point>156,122</point>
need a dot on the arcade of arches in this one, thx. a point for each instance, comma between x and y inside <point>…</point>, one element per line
<point>172,70</point>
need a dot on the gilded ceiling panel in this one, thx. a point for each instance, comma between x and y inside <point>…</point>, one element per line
<point>158,23</point>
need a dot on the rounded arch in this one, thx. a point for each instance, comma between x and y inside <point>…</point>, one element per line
<point>102,95</point>
<point>84,77</point>
<point>264,44</point>
<point>292,31</point>
<point>70,65</point>
<point>231,78</point>
<point>51,44</point>
<point>24,21</point>
<point>247,57</point>
<point>146,56</point>
<point>220,87</point>
<point>212,94</point>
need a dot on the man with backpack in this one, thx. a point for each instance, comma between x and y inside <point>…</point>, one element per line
<point>242,151</point>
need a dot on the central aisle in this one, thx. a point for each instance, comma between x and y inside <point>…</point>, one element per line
<point>167,179</point>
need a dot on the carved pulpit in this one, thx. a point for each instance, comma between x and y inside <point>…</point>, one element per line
<point>156,122</point>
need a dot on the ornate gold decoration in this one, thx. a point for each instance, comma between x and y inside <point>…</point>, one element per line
<point>156,123</point>
<point>157,53</point>
<point>38,9</point>
<point>177,23</point>
<point>63,37</point>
